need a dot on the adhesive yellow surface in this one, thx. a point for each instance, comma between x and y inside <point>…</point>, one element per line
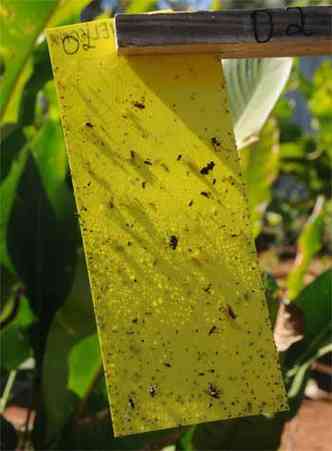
<point>182,319</point>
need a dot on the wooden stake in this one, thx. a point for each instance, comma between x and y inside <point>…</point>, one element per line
<point>231,34</point>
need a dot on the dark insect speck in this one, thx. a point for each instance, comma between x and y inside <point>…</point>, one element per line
<point>213,391</point>
<point>143,184</point>
<point>131,403</point>
<point>167,364</point>
<point>179,157</point>
<point>132,154</point>
<point>215,141</point>
<point>139,105</point>
<point>231,312</point>
<point>206,169</point>
<point>148,162</point>
<point>135,320</point>
<point>205,194</point>
<point>153,390</point>
<point>88,124</point>
<point>190,203</point>
<point>173,242</point>
<point>212,330</point>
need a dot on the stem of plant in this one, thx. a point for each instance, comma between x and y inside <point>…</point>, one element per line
<point>7,390</point>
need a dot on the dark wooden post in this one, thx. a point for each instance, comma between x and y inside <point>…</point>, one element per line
<point>231,33</point>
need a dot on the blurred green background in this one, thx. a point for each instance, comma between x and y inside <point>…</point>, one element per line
<point>52,383</point>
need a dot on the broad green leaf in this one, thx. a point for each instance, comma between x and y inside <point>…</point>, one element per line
<point>86,351</point>
<point>8,192</point>
<point>309,244</point>
<point>250,434</point>
<point>254,86</point>
<point>21,23</point>
<point>185,441</point>
<point>41,74</point>
<point>315,302</point>
<point>141,6</point>
<point>320,103</point>
<point>300,369</point>
<point>38,227</point>
<point>72,355</point>
<point>67,11</point>
<point>12,139</point>
<point>260,163</point>
<point>98,435</point>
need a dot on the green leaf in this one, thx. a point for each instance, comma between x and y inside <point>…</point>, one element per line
<point>309,243</point>
<point>320,103</point>
<point>21,23</point>
<point>301,369</point>
<point>315,302</point>
<point>12,139</point>
<point>98,435</point>
<point>185,441</point>
<point>87,351</point>
<point>38,229</point>
<point>14,338</point>
<point>8,192</point>
<point>260,163</point>
<point>141,6</point>
<point>41,74</point>
<point>72,357</point>
<point>251,434</point>
<point>254,86</point>
<point>38,197</point>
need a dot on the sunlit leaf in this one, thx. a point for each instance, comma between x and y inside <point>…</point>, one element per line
<point>260,163</point>
<point>21,24</point>
<point>141,6</point>
<point>309,244</point>
<point>254,86</point>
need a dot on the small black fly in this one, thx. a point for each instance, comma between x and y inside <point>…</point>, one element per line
<point>173,242</point>
<point>213,391</point>
<point>153,390</point>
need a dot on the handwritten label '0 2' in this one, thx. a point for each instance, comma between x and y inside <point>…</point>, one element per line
<point>265,17</point>
<point>83,38</point>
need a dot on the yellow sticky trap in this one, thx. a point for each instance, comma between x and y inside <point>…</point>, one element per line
<point>183,324</point>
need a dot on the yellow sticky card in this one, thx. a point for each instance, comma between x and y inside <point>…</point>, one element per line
<point>183,324</point>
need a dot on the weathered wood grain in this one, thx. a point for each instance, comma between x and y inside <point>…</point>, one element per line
<point>231,34</point>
